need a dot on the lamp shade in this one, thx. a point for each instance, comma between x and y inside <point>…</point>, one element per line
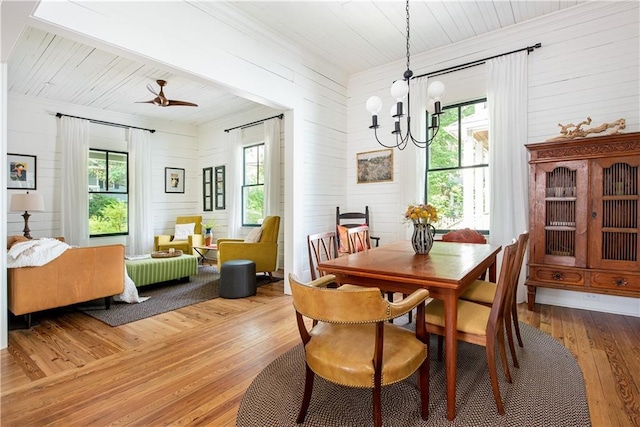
<point>27,202</point>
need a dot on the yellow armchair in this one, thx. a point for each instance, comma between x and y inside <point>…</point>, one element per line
<point>163,242</point>
<point>264,253</point>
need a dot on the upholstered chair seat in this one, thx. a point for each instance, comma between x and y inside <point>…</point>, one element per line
<point>163,242</point>
<point>264,251</point>
<point>481,325</point>
<point>351,342</point>
<point>484,292</point>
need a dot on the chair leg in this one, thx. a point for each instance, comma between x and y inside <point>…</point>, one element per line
<point>503,356</point>
<point>411,312</point>
<point>493,374</point>
<point>377,404</point>
<point>440,342</point>
<point>512,346</point>
<point>516,323</point>
<point>424,387</point>
<point>308,388</point>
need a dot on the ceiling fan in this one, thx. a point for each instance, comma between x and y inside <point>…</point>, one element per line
<point>162,101</point>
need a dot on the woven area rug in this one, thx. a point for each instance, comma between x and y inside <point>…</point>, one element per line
<point>163,297</point>
<point>547,390</point>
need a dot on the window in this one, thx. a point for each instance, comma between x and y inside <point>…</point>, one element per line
<point>108,193</point>
<point>457,181</point>
<point>253,185</point>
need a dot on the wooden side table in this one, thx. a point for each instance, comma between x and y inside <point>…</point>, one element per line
<point>203,251</point>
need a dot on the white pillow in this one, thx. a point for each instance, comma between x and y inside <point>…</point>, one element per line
<point>254,235</point>
<point>183,231</point>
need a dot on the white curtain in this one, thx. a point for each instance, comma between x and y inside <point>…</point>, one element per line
<point>272,183</point>
<point>508,168</point>
<point>74,182</point>
<point>413,162</point>
<point>234,182</point>
<point>140,203</point>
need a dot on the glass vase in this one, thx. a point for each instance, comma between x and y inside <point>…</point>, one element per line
<point>422,238</point>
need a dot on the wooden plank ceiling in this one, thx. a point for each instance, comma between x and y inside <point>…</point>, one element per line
<point>354,35</point>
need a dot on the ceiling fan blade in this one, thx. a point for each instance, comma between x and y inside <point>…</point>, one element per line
<point>150,88</point>
<point>184,103</point>
<point>145,102</point>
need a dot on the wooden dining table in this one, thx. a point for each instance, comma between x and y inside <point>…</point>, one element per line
<point>446,271</point>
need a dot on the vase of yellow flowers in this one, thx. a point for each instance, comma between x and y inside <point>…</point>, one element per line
<point>422,216</point>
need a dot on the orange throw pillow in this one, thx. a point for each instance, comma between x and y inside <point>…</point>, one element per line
<point>343,235</point>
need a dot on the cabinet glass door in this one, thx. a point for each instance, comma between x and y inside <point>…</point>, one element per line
<point>561,194</point>
<point>614,214</point>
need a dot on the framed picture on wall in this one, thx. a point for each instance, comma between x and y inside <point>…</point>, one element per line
<point>374,166</point>
<point>173,180</point>
<point>21,170</point>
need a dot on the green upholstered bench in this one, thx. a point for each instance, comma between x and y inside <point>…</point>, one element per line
<point>156,270</point>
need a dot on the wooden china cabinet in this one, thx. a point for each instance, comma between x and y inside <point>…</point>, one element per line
<point>584,215</point>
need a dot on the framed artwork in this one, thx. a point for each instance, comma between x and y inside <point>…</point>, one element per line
<point>173,180</point>
<point>21,169</point>
<point>207,189</point>
<point>220,193</point>
<point>374,166</point>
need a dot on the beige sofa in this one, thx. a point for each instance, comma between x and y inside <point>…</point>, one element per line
<point>78,275</point>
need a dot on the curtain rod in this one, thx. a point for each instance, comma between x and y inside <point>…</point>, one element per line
<point>529,49</point>
<point>100,122</point>
<point>279,116</point>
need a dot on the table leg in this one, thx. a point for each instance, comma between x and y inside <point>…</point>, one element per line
<point>451,348</point>
<point>493,271</point>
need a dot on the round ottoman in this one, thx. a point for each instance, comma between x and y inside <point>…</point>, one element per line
<point>238,279</point>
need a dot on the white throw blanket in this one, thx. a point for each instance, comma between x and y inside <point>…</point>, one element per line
<point>130,294</point>
<point>36,253</point>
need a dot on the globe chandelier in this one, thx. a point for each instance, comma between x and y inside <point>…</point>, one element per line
<point>400,90</point>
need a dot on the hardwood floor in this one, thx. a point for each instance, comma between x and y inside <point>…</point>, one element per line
<point>193,365</point>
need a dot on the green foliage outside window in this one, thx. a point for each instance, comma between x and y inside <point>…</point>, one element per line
<point>253,185</point>
<point>107,215</point>
<point>108,193</point>
<point>457,167</point>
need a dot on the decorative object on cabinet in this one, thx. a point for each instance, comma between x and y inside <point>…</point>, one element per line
<point>577,132</point>
<point>374,166</point>
<point>173,180</point>
<point>220,192</point>
<point>21,169</point>
<point>584,205</point>
<point>207,189</point>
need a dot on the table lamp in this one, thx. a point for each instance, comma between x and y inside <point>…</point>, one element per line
<point>27,202</point>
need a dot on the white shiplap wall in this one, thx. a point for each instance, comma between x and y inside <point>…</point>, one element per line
<point>588,65</point>
<point>214,151</point>
<point>33,128</point>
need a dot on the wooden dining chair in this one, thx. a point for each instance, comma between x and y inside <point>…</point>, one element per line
<point>359,348</point>
<point>359,239</point>
<point>479,324</point>
<point>321,247</point>
<point>484,292</point>
<point>466,235</point>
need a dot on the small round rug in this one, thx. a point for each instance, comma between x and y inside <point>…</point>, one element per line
<point>547,390</point>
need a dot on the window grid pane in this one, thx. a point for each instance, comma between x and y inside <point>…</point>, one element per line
<point>108,193</point>
<point>458,170</point>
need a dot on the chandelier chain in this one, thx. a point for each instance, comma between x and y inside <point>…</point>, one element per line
<point>408,37</point>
